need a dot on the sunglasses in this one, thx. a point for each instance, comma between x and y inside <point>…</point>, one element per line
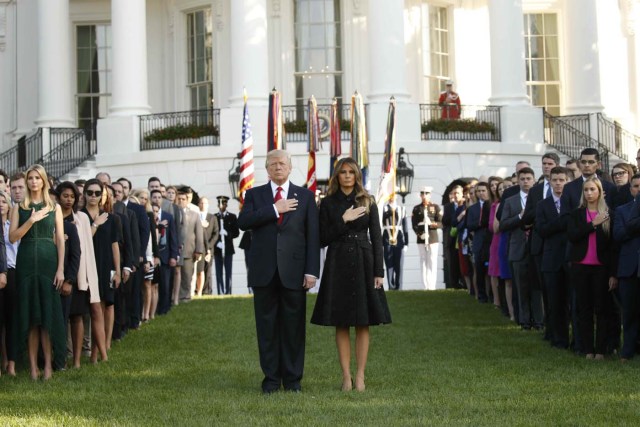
<point>424,192</point>
<point>96,193</point>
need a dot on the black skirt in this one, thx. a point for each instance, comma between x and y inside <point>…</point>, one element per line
<point>80,304</point>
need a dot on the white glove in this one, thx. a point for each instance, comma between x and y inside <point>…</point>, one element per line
<point>223,232</point>
<point>219,245</point>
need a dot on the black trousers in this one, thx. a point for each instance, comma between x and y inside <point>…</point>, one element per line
<point>226,264</point>
<point>9,303</point>
<point>592,293</point>
<point>134,299</point>
<point>393,260</point>
<point>557,306</point>
<point>280,326</point>
<point>630,299</point>
<point>165,288</point>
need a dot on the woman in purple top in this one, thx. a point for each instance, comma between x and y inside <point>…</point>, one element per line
<point>593,266</point>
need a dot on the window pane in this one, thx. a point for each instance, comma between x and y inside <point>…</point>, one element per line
<point>550,24</point>
<point>537,95</point>
<point>553,95</point>
<point>83,36</point>
<point>537,70</point>
<point>537,47</point>
<point>535,24</point>
<point>552,70</point>
<point>315,36</point>
<point>551,46</point>
<point>316,11</point>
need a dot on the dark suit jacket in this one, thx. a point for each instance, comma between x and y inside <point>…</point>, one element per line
<point>509,192</point>
<point>578,231</point>
<point>231,226</point>
<point>626,232</point>
<point>479,225</point>
<point>133,233</point>
<point>144,227</point>
<point>573,191</point>
<point>168,238</point>
<point>292,248</point>
<point>535,196</point>
<point>623,195</point>
<point>552,228</point>
<point>71,253</point>
<point>3,251</point>
<point>125,242</point>
<point>511,221</point>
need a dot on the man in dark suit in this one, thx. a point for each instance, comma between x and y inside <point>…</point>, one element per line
<point>626,231</point>
<point>513,190</point>
<point>478,224</point>
<point>395,238</point>
<point>450,214</point>
<point>210,237</point>
<point>538,192</point>
<point>144,231</point>
<point>285,263</point>
<point>529,299</point>
<point>223,249</point>
<point>551,225</point>
<point>167,252</point>
<point>589,164</point>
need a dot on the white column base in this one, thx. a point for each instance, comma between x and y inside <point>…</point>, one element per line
<point>54,122</point>
<point>584,109</point>
<point>118,136</point>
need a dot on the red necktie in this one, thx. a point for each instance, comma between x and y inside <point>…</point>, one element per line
<point>275,199</point>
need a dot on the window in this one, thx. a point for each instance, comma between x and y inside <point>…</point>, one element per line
<point>435,43</point>
<point>543,60</point>
<point>318,49</point>
<point>200,63</point>
<point>93,58</point>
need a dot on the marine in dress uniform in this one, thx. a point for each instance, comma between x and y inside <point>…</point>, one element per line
<point>426,219</point>
<point>395,238</point>
<point>450,102</point>
<point>223,250</point>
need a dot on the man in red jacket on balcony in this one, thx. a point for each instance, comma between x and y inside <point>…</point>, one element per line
<point>450,102</point>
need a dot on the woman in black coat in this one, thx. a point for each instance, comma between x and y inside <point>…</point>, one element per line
<point>593,266</point>
<point>351,292</point>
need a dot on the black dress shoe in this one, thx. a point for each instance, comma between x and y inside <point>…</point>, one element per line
<point>296,388</point>
<point>269,390</point>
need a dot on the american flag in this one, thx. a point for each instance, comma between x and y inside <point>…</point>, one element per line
<point>246,157</point>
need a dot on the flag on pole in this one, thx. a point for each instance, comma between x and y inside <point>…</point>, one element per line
<point>275,126</point>
<point>387,186</point>
<point>246,157</point>
<point>336,138</point>
<point>359,144</point>
<point>313,132</point>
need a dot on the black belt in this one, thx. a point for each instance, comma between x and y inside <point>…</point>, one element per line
<point>359,235</point>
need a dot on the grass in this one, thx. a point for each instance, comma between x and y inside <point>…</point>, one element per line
<point>445,360</point>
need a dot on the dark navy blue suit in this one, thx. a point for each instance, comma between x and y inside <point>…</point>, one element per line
<point>626,231</point>
<point>167,249</point>
<point>478,223</point>
<point>144,230</point>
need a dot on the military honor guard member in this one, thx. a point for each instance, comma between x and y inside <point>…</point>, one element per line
<point>395,238</point>
<point>223,250</point>
<point>426,219</point>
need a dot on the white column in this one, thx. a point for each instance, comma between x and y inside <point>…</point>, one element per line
<point>583,66</point>
<point>387,61</point>
<point>55,105</point>
<point>507,53</point>
<point>249,52</point>
<point>129,94</point>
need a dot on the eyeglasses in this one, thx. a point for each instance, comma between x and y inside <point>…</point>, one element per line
<point>588,162</point>
<point>96,193</point>
<point>617,174</point>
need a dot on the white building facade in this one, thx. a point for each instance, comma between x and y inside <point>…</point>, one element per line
<point>105,66</point>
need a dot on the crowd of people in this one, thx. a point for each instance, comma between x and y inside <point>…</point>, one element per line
<point>83,263</point>
<point>558,254</point>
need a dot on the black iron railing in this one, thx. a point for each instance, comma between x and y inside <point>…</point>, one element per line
<point>180,129</point>
<point>619,141</point>
<point>571,141</point>
<point>466,122</point>
<point>579,122</point>
<point>295,121</point>
<point>69,149</point>
<point>27,151</point>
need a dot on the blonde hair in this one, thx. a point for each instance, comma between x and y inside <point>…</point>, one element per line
<point>49,204</point>
<point>277,154</point>
<point>362,197</point>
<point>601,204</point>
<point>7,198</point>
<point>140,191</point>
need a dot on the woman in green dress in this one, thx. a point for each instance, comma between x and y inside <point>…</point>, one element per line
<point>37,223</point>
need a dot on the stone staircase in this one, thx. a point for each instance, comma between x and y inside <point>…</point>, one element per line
<point>86,170</point>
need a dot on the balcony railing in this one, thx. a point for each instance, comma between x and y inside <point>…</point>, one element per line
<point>466,123</point>
<point>571,141</point>
<point>295,121</point>
<point>579,122</point>
<point>617,140</point>
<point>195,128</point>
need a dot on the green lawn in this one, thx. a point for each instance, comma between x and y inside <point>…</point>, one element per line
<point>445,360</point>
